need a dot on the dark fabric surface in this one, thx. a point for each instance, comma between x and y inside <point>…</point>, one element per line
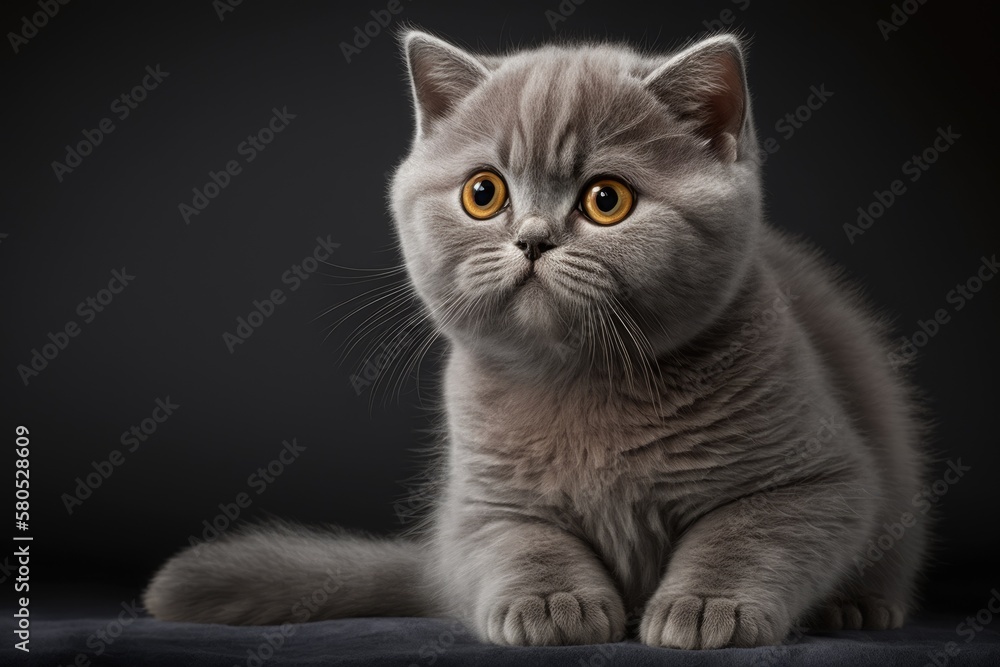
<point>426,642</point>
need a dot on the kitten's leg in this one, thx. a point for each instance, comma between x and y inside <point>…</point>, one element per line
<point>744,571</point>
<point>530,583</point>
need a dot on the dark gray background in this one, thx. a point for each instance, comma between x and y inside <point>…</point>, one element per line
<point>324,175</point>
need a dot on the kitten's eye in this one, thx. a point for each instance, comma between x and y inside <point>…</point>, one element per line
<point>484,195</point>
<point>607,201</point>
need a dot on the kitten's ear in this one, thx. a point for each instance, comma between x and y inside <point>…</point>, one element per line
<point>706,83</point>
<point>441,76</point>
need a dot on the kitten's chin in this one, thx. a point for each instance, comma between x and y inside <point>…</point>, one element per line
<point>534,311</point>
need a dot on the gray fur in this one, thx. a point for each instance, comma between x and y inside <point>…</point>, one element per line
<point>685,418</point>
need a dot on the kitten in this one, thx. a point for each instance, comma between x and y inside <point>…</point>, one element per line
<point>657,406</point>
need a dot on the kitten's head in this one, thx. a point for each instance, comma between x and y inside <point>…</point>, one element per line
<point>585,197</point>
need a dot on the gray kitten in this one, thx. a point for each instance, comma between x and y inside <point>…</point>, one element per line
<point>656,404</point>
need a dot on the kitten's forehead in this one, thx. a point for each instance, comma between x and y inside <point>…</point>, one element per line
<point>551,111</point>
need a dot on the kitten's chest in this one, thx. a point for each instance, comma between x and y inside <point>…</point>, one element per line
<point>580,444</point>
<point>563,462</point>
<point>564,458</point>
<point>557,443</point>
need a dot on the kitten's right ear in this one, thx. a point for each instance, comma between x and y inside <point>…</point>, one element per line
<point>706,83</point>
<point>441,76</point>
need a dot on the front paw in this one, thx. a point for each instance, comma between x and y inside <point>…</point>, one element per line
<point>702,622</point>
<point>556,618</point>
<point>866,612</point>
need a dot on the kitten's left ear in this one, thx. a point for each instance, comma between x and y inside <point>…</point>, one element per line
<point>706,83</point>
<point>441,75</point>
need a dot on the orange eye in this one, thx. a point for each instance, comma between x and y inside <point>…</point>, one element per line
<point>484,195</point>
<point>607,201</point>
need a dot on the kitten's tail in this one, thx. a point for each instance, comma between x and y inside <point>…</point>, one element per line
<point>286,574</point>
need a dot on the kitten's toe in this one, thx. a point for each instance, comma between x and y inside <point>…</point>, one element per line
<point>556,619</point>
<point>705,622</point>
<point>862,613</point>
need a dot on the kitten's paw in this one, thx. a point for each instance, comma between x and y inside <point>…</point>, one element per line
<point>556,618</point>
<point>863,613</point>
<point>703,622</point>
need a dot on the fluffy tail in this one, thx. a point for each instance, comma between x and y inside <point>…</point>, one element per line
<point>286,574</point>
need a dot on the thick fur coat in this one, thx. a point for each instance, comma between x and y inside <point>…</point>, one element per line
<point>684,418</point>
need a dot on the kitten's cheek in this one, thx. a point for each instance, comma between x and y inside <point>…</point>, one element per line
<point>492,278</point>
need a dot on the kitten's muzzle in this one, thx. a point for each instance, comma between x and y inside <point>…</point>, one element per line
<point>534,238</point>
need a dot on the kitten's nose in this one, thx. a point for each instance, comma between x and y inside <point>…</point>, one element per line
<point>533,239</point>
<point>533,248</point>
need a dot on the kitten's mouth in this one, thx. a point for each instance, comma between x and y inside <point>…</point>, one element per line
<point>529,277</point>
<point>531,293</point>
